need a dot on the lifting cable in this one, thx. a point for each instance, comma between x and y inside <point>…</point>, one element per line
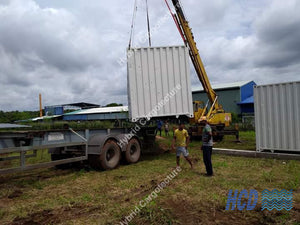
<point>176,22</point>
<point>148,23</point>
<point>132,24</point>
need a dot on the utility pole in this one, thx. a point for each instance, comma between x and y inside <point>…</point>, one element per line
<point>41,108</point>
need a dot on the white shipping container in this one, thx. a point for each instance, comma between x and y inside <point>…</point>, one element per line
<point>159,82</point>
<point>277,117</point>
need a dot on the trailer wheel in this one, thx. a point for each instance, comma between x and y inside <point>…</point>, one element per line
<point>133,151</point>
<point>109,157</point>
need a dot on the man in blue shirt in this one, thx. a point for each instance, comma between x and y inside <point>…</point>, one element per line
<point>207,143</point>
<point>159,125</point>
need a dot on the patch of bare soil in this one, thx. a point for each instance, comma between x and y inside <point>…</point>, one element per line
<point>164,148</point>
<point>43,217</point>
<point>139,192</point>
<point>185,212</point>
<point>56,216</point>
<point>15,194</point>
<point>158,149</point>
<point>296,212</point>
<point>18,179</point>
<point>160,138</point>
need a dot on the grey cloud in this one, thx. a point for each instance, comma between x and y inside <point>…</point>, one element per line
<point>267,52</point>
<point>50,34</point>
<point>279,35</point>
<point>69,50</point>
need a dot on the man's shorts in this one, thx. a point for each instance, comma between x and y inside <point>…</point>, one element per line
<point>182,150</point>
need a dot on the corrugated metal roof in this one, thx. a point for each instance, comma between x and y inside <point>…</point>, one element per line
<point>223,85</point>
<point>9,125</point>
<point>38,118</point>
<point>45,117</point>
<point>83,105</point>
<point>100,110</point>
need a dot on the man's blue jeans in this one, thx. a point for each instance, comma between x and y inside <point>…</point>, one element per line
<point>207,151</point>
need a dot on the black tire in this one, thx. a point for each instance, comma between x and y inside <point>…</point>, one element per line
<point>109,158</point>
<point>133,151</point>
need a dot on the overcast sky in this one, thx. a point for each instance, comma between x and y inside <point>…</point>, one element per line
<point>70,50</point>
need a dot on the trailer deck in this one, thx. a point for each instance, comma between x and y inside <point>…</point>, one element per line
<point>69,146</point>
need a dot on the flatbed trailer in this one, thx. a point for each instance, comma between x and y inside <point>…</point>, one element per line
<point>101,148</point>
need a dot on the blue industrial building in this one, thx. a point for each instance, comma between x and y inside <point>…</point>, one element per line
<point>59,109</point>
<point>99,113</point>
<point>54,110</point>
<point>234,97</point>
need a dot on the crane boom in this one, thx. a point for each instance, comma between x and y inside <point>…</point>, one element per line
<point>195,56</point>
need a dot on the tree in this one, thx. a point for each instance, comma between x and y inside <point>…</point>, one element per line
<point>10,117</point>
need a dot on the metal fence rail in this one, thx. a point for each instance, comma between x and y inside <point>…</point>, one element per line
<point>22,142</point>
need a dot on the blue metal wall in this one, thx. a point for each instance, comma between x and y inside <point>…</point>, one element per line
<point>231,98</point>
<point>56,110</point>
<point>74,117</point>
<point>107,116</point>
<point>247,90</point>
<point>228,98</point>
<point>246,94</point>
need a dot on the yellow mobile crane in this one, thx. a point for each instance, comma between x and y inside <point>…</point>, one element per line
<point>216,115</point>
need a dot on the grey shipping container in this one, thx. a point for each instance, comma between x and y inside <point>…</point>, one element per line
<point>277,117</point>
<point>159,82</point>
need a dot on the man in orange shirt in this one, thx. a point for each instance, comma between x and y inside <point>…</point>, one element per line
<point>182,140</point>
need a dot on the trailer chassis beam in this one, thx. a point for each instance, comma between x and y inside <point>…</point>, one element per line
<point>23,149</point>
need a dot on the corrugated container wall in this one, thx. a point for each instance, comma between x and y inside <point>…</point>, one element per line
<point>277,116</point>
<point>159,82</point>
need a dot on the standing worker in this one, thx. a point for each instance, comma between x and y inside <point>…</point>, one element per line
<point>182,140</point>
<point>167,128</point>
<point>207,144</point>
<point>159,125</point>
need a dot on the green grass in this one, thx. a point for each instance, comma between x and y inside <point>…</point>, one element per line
<point>247,139</point>
<point>41,156</point>
<point>80,197</point>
